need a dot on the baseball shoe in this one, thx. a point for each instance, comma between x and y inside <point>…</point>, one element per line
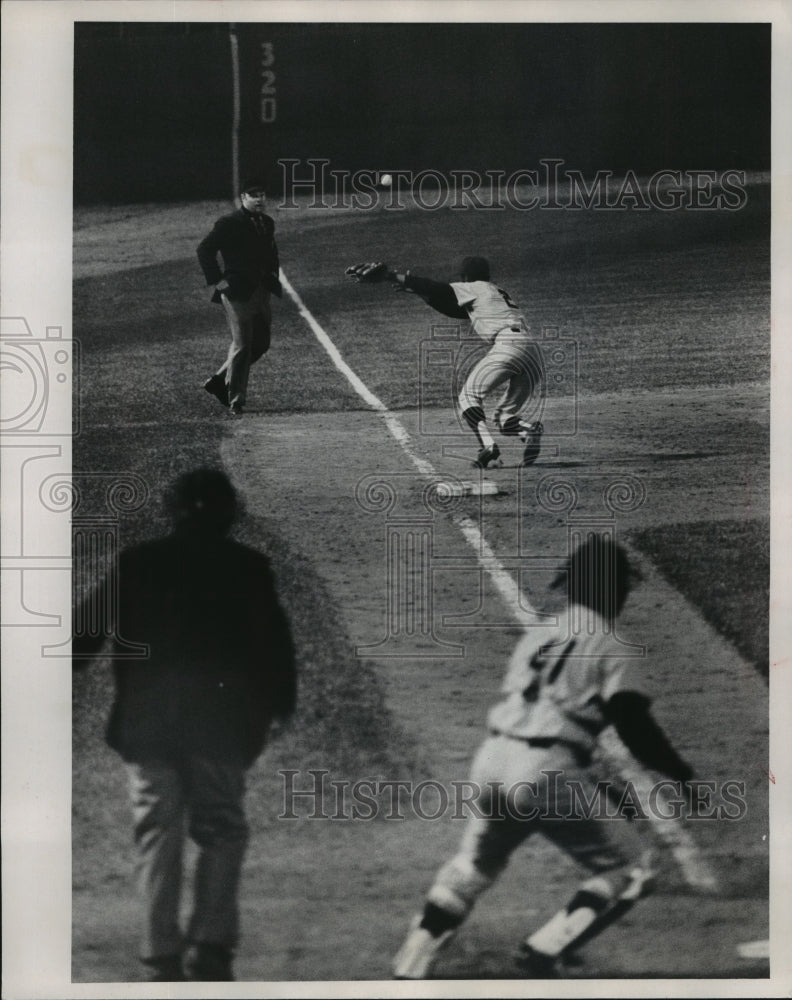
<point>164,969</point>
<point>208,963</point>
<point>414,958</point>
<point>531,437</point>
<point>487,455</point>
<point>236,409</point>
<point>216,386</point>
<point>537,964</point>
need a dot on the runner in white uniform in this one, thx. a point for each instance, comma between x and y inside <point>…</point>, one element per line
<point>564,685</point>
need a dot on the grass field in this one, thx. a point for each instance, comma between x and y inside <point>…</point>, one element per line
<point>669,313</point>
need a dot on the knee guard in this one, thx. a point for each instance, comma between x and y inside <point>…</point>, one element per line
<point>458,885</point>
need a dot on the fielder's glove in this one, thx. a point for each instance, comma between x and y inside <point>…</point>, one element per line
<point>370,273</point>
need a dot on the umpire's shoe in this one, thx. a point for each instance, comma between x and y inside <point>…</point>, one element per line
<point>531,436</point>
<point>487,455</point>
<point>208,963</point>
<point>216,385</point>
<point>164,969</point>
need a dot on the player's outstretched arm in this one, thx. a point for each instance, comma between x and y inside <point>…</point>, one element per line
<point>438,294</point>
<point>629,713</point>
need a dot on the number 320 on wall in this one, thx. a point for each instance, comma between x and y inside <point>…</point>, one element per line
<point>269,104</point>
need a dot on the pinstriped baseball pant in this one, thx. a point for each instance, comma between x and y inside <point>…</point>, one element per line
<point>205,799</point>
<point>514,365</point>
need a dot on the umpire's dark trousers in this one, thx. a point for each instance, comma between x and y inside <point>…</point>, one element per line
<point>250,322</point>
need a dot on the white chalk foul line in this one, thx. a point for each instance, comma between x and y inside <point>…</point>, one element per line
<point>505,584</point>
<point>694,868</point>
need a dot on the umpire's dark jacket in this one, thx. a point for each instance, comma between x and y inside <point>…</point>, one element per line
<point>221,660</point>
<point>249,253</point>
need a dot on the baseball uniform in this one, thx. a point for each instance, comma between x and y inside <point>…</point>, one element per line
<point>533,774</point>
<point>513,363</point>
<point>556,688</point>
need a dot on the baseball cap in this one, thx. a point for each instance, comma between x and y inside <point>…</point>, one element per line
<point>253,183</point>
<point>475,269</point>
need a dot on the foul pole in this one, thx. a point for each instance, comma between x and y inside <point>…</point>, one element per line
<point>235,113</point>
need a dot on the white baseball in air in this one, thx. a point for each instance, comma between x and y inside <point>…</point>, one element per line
<point>386,180</point>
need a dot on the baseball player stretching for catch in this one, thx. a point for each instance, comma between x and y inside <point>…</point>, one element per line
<point>563,686</point>
<point>513,362</point>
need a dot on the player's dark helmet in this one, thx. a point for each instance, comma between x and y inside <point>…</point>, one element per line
<point>598,575</point>
<point>475,269</point>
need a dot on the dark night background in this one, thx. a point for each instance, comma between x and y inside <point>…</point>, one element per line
<point>153,102</point>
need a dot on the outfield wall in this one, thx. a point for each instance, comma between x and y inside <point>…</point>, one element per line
<point>153,103</point>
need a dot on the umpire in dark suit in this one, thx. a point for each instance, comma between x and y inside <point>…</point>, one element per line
<point>249,275</point>
<point>191,718</point>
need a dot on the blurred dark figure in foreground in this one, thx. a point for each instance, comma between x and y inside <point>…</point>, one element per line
<point>191,717</point>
